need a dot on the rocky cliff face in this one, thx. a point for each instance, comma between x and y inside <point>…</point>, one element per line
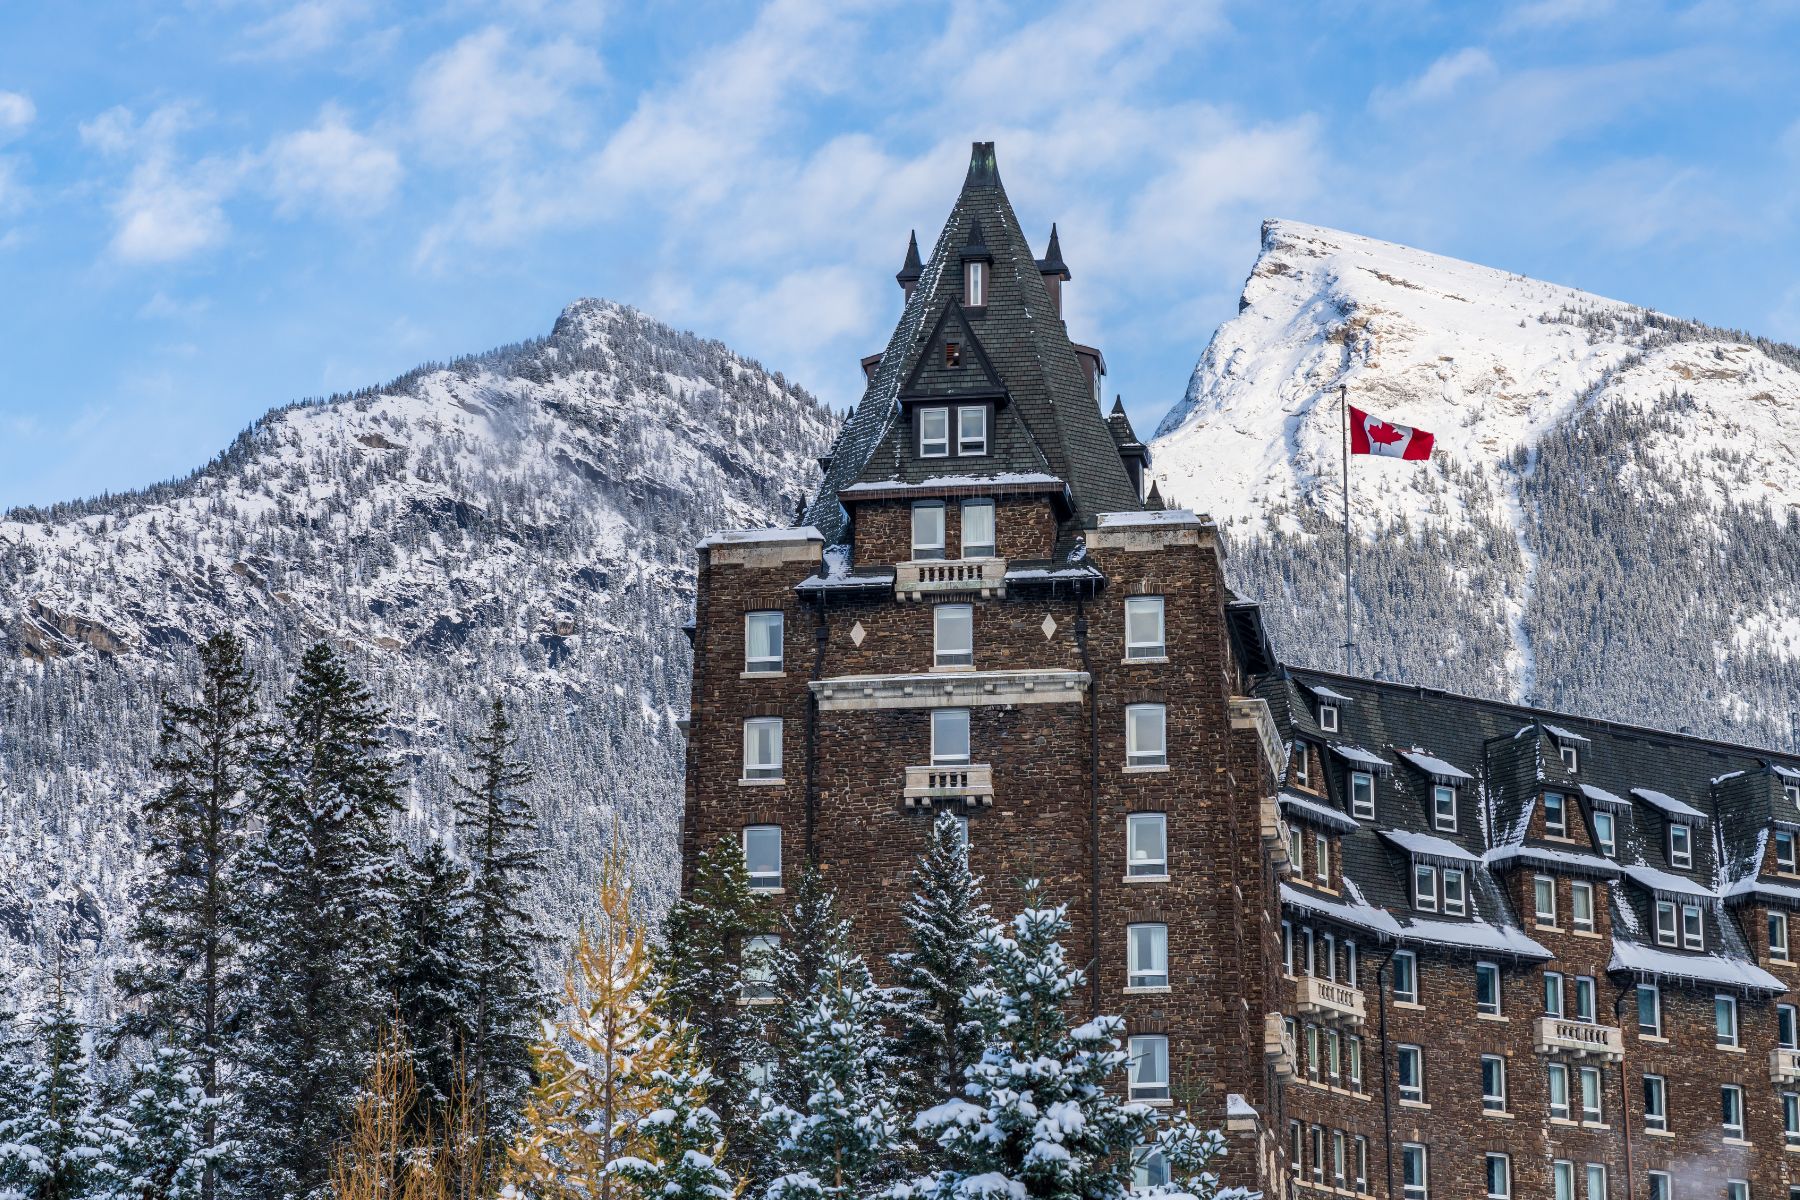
<point>1611,520</point>
<point>519,522</point>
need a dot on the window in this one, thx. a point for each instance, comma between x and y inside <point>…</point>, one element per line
<point>1493,1083</point>
<point>1556,815</point>
<point>1350,965</point>
<point>1649,1007</point>
<point>1499,1176</point>
<point>1406,977</point>
<point>975,285</point>
<point>1337,1158</point>
<point>1149,1067</point>
<point>1318,1154</point>
<point>1662,1187</point>
<point>1559,1091</point>
<point>953,354</point>
<point>1149,965</point>
<point>1312,1052</point>
<point>1321,858</point>
<point>1656,1103</point>
<point>1543,890</point>
<point>1792,792</point>
<point>1150,1168</point>
<point>954,631</point>
<point>949,737</point>
<point>759,966</point>
<point>1353,1052</point>
<point>1681,846</point>
<point>971,429</point>
<point>1787,1031</point>
<point>1553,994</point>
<point>762,642</point>
<point>1790,1118</point>
<point>927,530</point>
<point>1415,1181</point>
<point>1144,627</point>
<point>1362,1163</point>
<point>1778,943</point>
<point>1725,1021</point>
<point>1412,1074</point>
<point>1581,906</point>
<point>1424,887</point>
<point>1310,958</point>
<point>1487,989</point>
<point>1731,1110</point>
<point>1737,1189</point>
<point>1665,923</point>
<point>1297,848</point>
<point>1301,772</point>
<point>934,433</point>
<point>1693,931</point>
<point>762,748</point>
<point>1328,718</point>
<point>1362,795</point>
<point>1562,1177</point>
<point>1591,1112</point>
<point>1584,999</point>
<point>1144,736</point>
<point>1334,1057</point>
<point>1606,833</point>
<point>1146,845</point>
<point>978,529</point>
<point>1455,898</point>
<point>1443,807</point>
<point>762,856</point>
<point>1571,759</point>
<point>1784,853</point>
<point>1328,953</point>
<point>1596,1182</point>
<point>1296,1144</point>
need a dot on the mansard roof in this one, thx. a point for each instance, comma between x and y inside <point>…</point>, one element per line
<point>1046,420</point>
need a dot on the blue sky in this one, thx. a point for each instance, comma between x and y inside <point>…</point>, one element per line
<point>213,207</point>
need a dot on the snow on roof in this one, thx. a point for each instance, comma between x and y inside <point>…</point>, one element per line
<point>1473,935</point>
<point>1785,772</point>
<point>1563,735</point>
<point>1435,767</point>
<point>1550,856</point>
<point>1718,779</point>
<point>1703,968</point>
<point>1600,795</point>
<point>871,579</point>
<point>1237,1106</point>
<point>1324,814</point>
<point>1427,846</point>
<point>1672,808</point>
<point>1324,693</point>
<point>725,537</point>
<point>1355,911</point>
<point>1753,886</point>
<point>1357,754</point>
<point>1656,879</point>
<point>1160,516</point>
<point>1080,572</point>
<point>1003,479</point>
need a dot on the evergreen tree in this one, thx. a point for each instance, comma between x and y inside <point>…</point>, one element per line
<point>1035,1118</point>
<point>155,1141</point>
<point>497,828</point>
<point>681,1142</point>
<point>183,987</point>
<point>938,1036</point>
<point>845,1134</point>
<point>702,959</point>
<point>320,908</point>
<point>17,1079</point>
<point>51,1146</point>
<point>435,990</point>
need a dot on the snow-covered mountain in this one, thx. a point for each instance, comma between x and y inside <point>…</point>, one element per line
<point>520,521</point>
<point>1611,520</point>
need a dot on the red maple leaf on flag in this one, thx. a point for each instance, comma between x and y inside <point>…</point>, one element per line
<point>1381,431</point>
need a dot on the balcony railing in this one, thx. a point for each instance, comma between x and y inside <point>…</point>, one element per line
<point>1557,1035</point>
<point>1278,1045</point>
<point>972,783</point>
<point>1331,1001</point>
<point>1784,1066</point>
<point>983,577</point>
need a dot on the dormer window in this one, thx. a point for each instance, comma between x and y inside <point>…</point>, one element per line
<point>1681,846</point>
<point>1455,897</point>
<point>1299,773</point>
<point>1571,759</point>
<point>953,354</point>
<point>1443,807</point>
<point>934,433</point>
<point>1693,929</point>
<point>1792,792</point>
<point>1784,853</point>
<point>1328,718</point>
<point>1556,815</point>
<point>975,284</point>
<point>971,429</point>
<point>1362,795</point>
<point>1605,835</point>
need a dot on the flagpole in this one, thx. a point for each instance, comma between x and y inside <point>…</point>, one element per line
<point>1344,444</point>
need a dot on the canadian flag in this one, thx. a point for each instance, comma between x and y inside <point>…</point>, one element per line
<point>1369,434</point>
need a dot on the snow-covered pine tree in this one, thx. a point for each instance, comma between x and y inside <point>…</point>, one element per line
<point>497,826</point>
<point>16,1081</point>
<point>52,1144</point>
<point>938,1037</point>
<point>844,1136</point>
<point>813,934</point>
<point>319,946</point>
<point>1035,1119</point>
<point>702,960</point>
<point>182,986</point>
<point>595,1059</point>
<point>679,1144</point>
<point>436,993</point>
<point>155,1139</point>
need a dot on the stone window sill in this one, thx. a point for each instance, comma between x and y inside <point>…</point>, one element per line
<point>762,674</point>
<point>1586,933</point>
<point>1736,1141</point>
<point>1420,1105</point>
<point>1165,1102</point>
<point>766,891</point>
<point>1480,1016</point>
<point>1547,928</point>
<point>1412,1004</point>
<point>1653,1037</point>
<point>1659,1133</point>
<point>1497,1112</point>
<point>953,669</point>
<point>1564,1121</point>
<point>776,782</point>
<point>1149,770</point>
<point>1151,660</point>
<point>1160,990</point>
<point>1146,879</point>
<point>1602,1125</point>
<point>1730,1049</point>
<point>756,1001</point>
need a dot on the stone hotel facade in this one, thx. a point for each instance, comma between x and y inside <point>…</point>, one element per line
<point>1398,943</point>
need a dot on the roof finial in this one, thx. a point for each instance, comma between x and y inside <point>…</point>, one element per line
<point>1052,263</point>
<point>912,268</point>
<point>983,170</point>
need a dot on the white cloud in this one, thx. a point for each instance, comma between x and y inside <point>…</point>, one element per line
<point>1441,80</point>
<point>1543,14</point>
<point>16,112</point>
<point>333,169</point>
<point>484,95</point>
<point>169,209</point>
<point>305,28</point>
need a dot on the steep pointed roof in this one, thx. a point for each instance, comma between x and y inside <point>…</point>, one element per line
<point>1052,263</point>
<point>912,268</point>
<point>1046,423</point>
<point>1124,437</point>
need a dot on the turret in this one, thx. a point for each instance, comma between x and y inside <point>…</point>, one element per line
<point>1053,269</point>
<point>908,274</point>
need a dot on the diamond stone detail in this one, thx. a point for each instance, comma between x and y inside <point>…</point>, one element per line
<point>1049,627</point>
<point>858,633</point>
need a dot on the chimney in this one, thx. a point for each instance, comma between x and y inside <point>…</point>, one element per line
<point>1053,269</point>
<point>908,274</point>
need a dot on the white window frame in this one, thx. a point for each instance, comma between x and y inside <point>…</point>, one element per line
<point>1668,931</point>
<point>928,550</point>
<point>1661,1186</point>
<point>1556,994</point>
<point>1655,993</point>
<point>1571,759</point>
<point>1141,605</point>
<point>971,445</point>
<point>765,664</point>
<point>1362,795</point>
<point>1142,1085</point>
<point>1608,841</point>
<point>1737,1189</point>
<point>1456,892</point>
<point>1656,1103</point>
<point>1321,858</point>
<point>1693,927</point>
<point>758,967</point>
<point>1592,1088</point>
<point>1731,1105</point>
<point>989,548</point>
<point>1791,793</point>
<point>1586,1009</point>
<point>1790,1118</point>
<point>939,446</point>
<point>1726,1030</point>
<point>1297,847</point>
<point>1328,718</point>
<point>1300,771</point>
<point>1415,1172</point>
<point>1499,1186</point>
<point>1139,863</point>
<point>763,881</point>
<point>1414,1092</point>
<point>1597,1183</point>
<point>1149,971</point>
<point>1577,889</point>
<point>1425,887</point>
<point>1410,960</point>
<point>1778,936</point>
<point>1362,1164</point>
<point>1542,885</point>
<point>1443,807</point>
<point>975,284</point>
<point>1491,972</point>
<point>1557,1074</point>
<point>1149,1168</point>
<point>943,723</point>
<point>1683,856</point>
<point>1789,863</point>
<point>943,620</point>
<point>1493,1090</point>
<point>1560,827</point>
<point>756,768</point>
<point>1137,756</point>
<point>1787,1027</point>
